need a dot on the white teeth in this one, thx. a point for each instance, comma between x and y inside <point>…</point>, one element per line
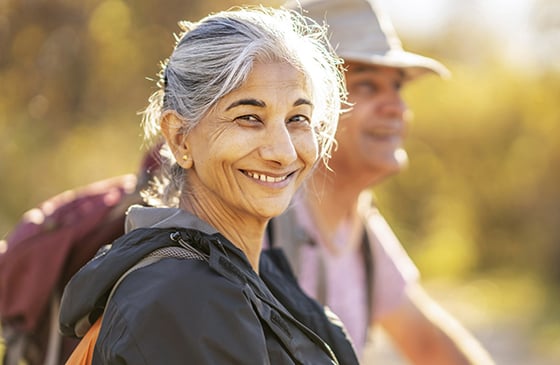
<point>266,178</point>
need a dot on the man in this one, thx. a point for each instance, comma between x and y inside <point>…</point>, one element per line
<point>342,250</point>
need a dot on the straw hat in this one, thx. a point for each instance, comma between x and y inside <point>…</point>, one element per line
<point>360,31</point>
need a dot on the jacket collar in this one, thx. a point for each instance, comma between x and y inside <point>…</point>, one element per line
<point>149,217</point>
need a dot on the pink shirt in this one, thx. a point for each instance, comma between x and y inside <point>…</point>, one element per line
<point>345,272</point>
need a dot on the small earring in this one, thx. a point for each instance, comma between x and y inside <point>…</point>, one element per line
<point>185,158</point>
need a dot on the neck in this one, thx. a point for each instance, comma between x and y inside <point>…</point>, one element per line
<point>246,233</point>
<point>334,198</point>
<point>332,207</point>
<point>248,238</point>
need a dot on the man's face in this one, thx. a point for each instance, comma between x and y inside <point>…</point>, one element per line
<point>370,136</point>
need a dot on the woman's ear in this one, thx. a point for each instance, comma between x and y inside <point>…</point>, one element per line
<point>172,128</point>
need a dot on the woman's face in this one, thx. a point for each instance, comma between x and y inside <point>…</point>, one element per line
<point>253,150</point>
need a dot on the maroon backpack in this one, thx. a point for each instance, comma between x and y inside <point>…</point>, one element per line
<point>48,245</point>
<point>45,249</point>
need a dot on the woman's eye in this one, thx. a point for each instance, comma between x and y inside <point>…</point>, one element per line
<point>248,119</point>
<point>299,119</point>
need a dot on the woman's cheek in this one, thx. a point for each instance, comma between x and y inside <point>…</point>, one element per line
<point>307,146</point>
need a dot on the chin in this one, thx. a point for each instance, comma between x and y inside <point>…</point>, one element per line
<point>386,167</point>
<point>272,211</point>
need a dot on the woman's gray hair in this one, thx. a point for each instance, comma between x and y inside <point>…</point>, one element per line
<point>214,56</point>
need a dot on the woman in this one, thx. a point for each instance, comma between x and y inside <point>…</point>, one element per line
<point>248,104</point>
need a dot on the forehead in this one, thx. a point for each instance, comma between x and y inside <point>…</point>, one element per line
<point>273,77</point>
<point>358,68</point>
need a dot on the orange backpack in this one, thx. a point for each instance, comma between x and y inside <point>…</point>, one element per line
<point>83,353</point>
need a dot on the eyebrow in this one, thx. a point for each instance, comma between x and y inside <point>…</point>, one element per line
<point>253,102</point>
<point>262,104</point>
<point>302,101</point>
<point>361,68</point>
<point>372,69</point>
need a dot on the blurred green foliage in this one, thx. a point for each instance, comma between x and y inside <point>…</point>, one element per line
<point>481,193</point>
<point>73,77</point>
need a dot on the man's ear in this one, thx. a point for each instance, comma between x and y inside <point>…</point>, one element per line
<point>172,128</point>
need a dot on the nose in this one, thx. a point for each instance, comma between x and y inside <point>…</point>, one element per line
<point>278,145</point>
<point>393,105</point>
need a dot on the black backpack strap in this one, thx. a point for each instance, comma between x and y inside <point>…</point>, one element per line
<point>367,253</point>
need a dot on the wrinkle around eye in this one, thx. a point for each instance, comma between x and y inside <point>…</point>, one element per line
<point>248,120</point>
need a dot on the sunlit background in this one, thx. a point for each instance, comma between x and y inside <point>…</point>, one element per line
<point>478,208</point>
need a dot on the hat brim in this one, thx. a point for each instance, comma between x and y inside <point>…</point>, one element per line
<point>413,64</point>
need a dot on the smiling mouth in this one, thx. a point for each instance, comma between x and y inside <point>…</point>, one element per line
<point>385,131</point>
<point>265,178</point>
<point>383,135</point>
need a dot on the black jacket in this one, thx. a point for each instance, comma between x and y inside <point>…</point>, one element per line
<point>214,311</point>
